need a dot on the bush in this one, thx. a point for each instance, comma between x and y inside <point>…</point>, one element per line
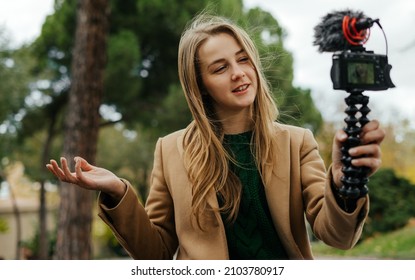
<point>391,202</point>
<point>4,227</point>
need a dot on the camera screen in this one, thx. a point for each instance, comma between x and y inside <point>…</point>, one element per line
<point>360,73</point>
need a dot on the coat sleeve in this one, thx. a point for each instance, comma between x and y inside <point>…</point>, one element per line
<point>145,233</point>
<point>329,222</point>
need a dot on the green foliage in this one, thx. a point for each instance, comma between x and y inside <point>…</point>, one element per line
<point>54,47</point>
<point>269,38</point>
<point>111,248</point>
<point>388,232</point>
<point>174,113</point>
<point>391,202</point>
<point>15,85</point>
<point>122,75</point>
<point>297,108</point>
<point>128,153</point>
<point>399,244</point>
<point>4,227</point>
<point>33,245</point>
<point>15,80</point>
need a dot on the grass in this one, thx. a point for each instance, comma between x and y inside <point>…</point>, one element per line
<point>399,245</point>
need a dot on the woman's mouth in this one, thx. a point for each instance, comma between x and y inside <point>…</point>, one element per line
<point>241,89</point>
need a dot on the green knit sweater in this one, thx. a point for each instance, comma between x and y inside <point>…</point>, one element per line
<point>252,235</point>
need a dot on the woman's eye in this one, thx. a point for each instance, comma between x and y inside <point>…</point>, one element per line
<point>220,69</point>
<point>244,59</point>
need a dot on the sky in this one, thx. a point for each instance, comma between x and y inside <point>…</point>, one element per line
<point>23,20</point>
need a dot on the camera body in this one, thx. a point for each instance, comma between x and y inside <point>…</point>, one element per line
<point>360,70</point>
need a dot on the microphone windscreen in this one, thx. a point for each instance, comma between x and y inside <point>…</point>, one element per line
<point>328,35</point>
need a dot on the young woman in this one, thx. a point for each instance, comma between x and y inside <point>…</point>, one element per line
<point>234,184</point>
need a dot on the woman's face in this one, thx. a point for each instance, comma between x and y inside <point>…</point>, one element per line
<point>228,75</point>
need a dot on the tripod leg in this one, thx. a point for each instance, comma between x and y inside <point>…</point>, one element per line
<point>355,178</point>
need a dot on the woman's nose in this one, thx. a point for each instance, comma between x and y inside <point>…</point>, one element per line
<point>237,73</point>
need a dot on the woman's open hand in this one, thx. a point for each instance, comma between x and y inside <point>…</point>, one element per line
<point>88,176</point>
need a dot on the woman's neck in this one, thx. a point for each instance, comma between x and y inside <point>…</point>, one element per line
<point>237,123</point>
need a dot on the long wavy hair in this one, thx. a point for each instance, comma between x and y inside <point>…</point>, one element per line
<point>205,158</point>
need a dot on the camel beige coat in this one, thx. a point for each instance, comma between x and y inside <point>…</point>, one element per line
<point>298,190</point>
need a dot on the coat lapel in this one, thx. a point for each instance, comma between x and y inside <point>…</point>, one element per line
<point>211,196</point>
<point>221,249</point>
<point>277,191</point>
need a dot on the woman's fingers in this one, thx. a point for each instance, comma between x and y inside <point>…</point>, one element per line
<point>372,133</point>
<point>371,150</point>
<point>84,165</point>
<point>69,177</point>
<point>77,177</point>
<point>372,163</point>
<point>54,167</point>
<point>81,165</point>
<point>51,166</point>
<point>368,153</point>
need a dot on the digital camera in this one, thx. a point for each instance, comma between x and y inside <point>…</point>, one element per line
<point>360,70</point>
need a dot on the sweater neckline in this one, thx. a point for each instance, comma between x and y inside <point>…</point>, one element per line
<point>243,137</point>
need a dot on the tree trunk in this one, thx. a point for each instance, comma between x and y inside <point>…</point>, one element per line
<point>81,126</point>
<point>43,253</point>
<point>16,212</point>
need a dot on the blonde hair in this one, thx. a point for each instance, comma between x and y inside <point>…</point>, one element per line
<point>205,158</point>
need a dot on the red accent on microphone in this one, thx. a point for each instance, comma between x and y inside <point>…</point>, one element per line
<point>351,34</point>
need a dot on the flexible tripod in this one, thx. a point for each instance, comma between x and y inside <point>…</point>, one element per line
<point>355,178</point>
